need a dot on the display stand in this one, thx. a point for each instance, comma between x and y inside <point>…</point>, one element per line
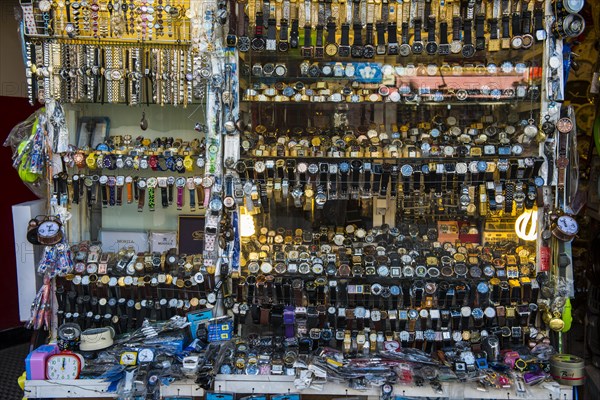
<point>94,388</point>
<point>425,168</point>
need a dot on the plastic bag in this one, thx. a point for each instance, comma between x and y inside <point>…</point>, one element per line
<point>26,140</point>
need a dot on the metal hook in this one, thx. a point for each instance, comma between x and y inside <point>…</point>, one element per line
<point>144,121</point>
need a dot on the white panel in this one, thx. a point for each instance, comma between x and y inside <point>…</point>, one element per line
<point>274,384</point>
<point>96,388</point>
<point>26,254</point>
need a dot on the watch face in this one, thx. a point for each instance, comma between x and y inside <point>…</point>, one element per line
<point>517,149</point>
<point>506,67</point>
<point>258,44</point>
<point>461,168</point>
<point>331,49</point>
<point>349,71</point>
<point>45,5</point>
<point>468,357</point>
<point>431,48</point>
<point>468,50</point>
<point>405,50</point>
<point>357,51</point>
<point>564,125</point>
<point>417,47</point>
<point>359,312</point>
<point>538,181</point>
<point>216,204</point>
<point>517,42</point>
<point>571,6</point>
<point>455,46</point>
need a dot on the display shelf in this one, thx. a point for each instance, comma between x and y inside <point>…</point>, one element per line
<point>464,79</point>
<point>183,43</point>
<point>78,388</point>
<point>446,104</point>
<point>482,57</point>
<point>395,159</point>
<point>96,388</point>
<point>273,384</point>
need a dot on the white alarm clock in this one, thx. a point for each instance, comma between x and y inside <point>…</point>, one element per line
<point>145,355</point>
<point>566,228</point>
<point>64,365</point>
<point>49,232</point>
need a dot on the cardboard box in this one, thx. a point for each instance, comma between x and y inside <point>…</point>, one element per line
<point>190,234</point>
<point>448,231</point>
<point>162,241</point>
<point>113,241</point>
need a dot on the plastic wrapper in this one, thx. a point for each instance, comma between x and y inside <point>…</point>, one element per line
<point>36,142</point>
<point>27,144</point>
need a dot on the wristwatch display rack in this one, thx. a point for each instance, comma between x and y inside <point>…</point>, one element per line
<point>378,84</point>
<point>324,146</point>
<point>133,74</point>
<point>121,289</point>
<point>332,286</point>
<point>365,29</point>
<point>105,21</point>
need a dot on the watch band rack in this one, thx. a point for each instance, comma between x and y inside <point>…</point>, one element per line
<point>132,74</point>
<point>109,21</point>
<point>336,29</point>
<point>367,124</point>
<point>396,210</point>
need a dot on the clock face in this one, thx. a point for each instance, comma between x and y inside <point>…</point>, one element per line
<point>146,355</point>
<point>129,358</point>
<point>568,225</point>
<point>63,366</point>
<point>48,229</point>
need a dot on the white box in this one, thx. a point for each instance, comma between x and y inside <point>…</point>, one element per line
<point>27,255</point>
<point>162,241</point>
<point>113,241</point>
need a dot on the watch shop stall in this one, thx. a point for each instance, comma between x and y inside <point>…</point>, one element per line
<point>285,198</point>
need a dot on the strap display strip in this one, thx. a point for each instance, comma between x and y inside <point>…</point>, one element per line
<point>392,47</point>
<point>432,47</point>
<point>468,50</point>
<point>319,49</point>
<point>444,46</point>
<point>405,48</point>
<point>480,32</point>
<point>381,45</point>
<point>344,49</point>
<point>283,44</point>
<point>417,46</point>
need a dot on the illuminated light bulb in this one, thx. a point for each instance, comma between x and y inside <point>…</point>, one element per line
<point>247,228</point>
<point>521,225</point>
